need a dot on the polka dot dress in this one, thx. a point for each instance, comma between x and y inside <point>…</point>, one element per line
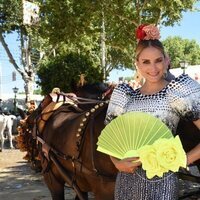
<point>178,99</point>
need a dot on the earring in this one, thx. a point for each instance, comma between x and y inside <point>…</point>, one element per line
<point>165,75</point>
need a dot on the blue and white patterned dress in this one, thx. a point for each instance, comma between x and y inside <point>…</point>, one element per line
<point>178,99</point>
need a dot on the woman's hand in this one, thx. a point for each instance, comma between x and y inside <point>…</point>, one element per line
<point>193,155</point>
<point>128,165</point>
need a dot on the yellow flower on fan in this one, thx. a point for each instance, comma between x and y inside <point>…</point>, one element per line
<point>162,156</point>
<point>149,161</point>
<point>170,153</point>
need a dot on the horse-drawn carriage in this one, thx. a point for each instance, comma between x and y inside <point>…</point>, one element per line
<point>64,135</point>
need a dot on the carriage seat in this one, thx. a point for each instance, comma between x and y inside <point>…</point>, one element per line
<point>57,100</point>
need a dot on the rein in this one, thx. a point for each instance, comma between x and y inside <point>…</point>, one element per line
<point>86,127</point>
<point>82,100</point>
<point>86,122</point>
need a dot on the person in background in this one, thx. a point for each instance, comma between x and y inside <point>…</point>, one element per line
<point>169,75</point>
<point>168,101</point>
<point>139,80</point>
<point>31,105</point>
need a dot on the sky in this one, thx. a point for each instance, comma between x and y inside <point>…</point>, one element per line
<point>6,68</point>
<point>188,28</point>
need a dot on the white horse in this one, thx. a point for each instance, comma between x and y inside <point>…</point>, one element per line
<point>6,121</point>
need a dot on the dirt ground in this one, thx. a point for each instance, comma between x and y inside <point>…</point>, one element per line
<point>19,182</point>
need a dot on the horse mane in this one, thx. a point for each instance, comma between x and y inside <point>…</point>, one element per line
<point>21,112</point>
<point>92,91</point>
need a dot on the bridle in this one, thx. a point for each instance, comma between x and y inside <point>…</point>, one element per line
<point>82,100</point>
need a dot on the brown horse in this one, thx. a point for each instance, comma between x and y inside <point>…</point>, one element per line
<point>67,147</point>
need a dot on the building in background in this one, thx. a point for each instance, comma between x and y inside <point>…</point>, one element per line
<point>193,71</point>
<point>7,101</point>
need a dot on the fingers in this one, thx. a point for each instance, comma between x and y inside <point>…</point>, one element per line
<point>135,161</point>
<point>132,159</point>
<point>134,169</point>
<point>130,170</point>
<point>128,165</point>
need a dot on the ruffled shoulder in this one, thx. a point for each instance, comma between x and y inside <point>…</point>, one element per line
<point>118,101</point>
<point>184,94</point>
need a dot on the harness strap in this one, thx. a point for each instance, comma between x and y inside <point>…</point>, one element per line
<point>75,162</point>
<point>66,177</point>
<point>45,147</point>
<point>92,143</point>
<point>83,100</point>
<point>52,154</point>
<point>58,97</point>
<point>71,181</point>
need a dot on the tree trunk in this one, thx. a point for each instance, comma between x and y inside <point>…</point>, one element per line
<point>27,73</point>
<point>28,87</point>
<point>103,47</point>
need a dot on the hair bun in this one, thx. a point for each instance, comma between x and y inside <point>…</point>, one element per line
<point>147,32</point>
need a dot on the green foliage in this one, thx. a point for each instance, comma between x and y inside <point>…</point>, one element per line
<point>10,15</point>
<point>64,72</point>
<point>165,12</point>
<point>76,26</point>
<point>182,49</point>
<point>79,24</point>
<point>37,91</point>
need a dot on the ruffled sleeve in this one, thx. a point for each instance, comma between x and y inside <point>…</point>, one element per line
<point>118,101</point>
<point>185,97</point>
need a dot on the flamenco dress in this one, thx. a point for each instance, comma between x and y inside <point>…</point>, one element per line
<point>180,98</point>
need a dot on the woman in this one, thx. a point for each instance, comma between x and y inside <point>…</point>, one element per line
<point>169,101</point>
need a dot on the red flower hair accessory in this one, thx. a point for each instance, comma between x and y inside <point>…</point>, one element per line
<point>147,32</point>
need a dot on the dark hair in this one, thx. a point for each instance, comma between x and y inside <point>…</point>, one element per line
<point>143,44</point>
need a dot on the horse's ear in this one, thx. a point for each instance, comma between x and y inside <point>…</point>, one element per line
<point>107,94</point>
<point>22,113</point>
<point>103,87</point>
<point>73,86</point>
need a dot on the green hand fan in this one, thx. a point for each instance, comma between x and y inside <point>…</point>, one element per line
<point>125,134</point>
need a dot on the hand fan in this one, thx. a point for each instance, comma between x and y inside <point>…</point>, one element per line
<point>125,134</point>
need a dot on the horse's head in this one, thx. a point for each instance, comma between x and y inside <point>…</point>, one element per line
<point>21,112</point>
<point>92,91</point>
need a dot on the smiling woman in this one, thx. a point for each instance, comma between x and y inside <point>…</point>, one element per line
<point>168,101</point>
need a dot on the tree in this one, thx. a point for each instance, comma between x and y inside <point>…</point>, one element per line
<point>182,49</point>
<point>11,20</point>
<point>103,30</point>
<point>64,71</point>
<point>109,25</point>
